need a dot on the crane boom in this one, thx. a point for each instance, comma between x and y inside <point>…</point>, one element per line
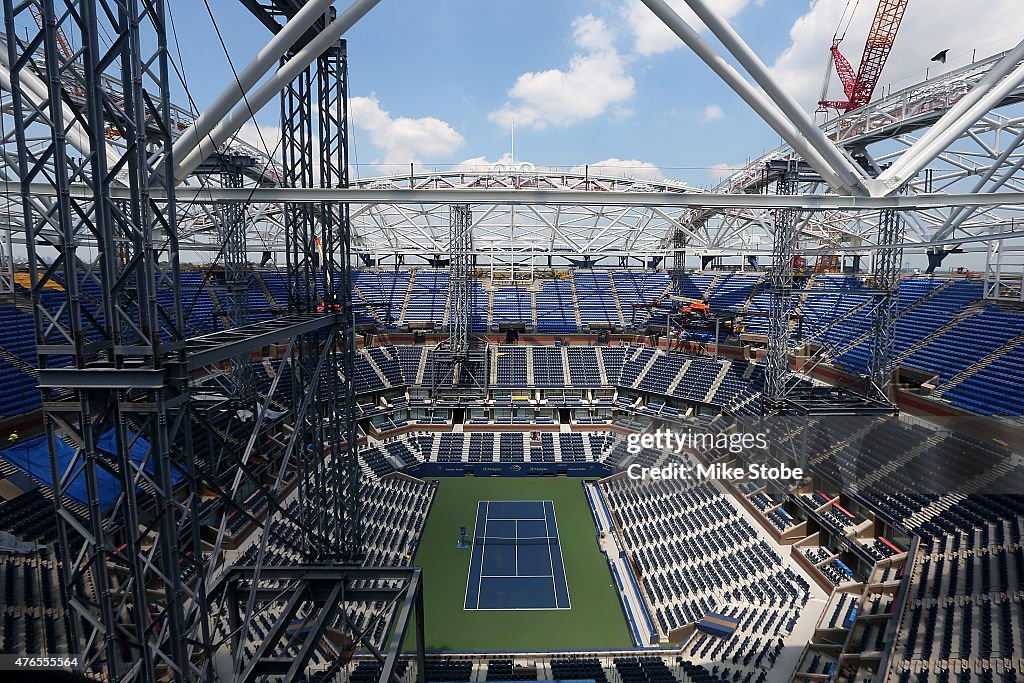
<point>859,88</point>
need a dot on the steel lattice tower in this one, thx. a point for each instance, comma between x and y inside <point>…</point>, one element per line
<point>460,361</point>
<point>144,590</point>
<point>885,273</point>
<point>780,283</point>
<point>235,302</point>
<point>114,338</point>
<point>460,279</point>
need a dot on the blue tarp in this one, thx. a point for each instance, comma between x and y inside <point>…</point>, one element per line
<point>139,448</point>
<point>33,458</point>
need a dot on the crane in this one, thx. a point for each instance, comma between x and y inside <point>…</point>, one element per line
<point>859,85</point>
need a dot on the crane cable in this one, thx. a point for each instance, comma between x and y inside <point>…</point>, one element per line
<point>847,16</point>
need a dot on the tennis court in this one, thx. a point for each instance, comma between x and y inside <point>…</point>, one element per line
<point>516,561</point>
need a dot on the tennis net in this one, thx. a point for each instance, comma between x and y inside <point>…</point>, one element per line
<point>520,540</point>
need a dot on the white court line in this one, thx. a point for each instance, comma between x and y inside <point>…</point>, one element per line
<point>517,519</point>
<point>551,560</point>
<point>483,551</point>
<point>515,548</point>
<point>521,576</point>
<point>565,577</point>
<point>487,504</point>
<point>469,572</point>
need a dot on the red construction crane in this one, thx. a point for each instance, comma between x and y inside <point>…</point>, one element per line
<point>859,85</point>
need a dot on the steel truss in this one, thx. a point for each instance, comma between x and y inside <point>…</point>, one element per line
<point>780,284</point>
<point>145,617</point>
<point>120,382</point>
<point>318,595</point>
<point>460,279</point>
<point>234,293</point>
<point>1004,273</point>
<point>885,274</point>
<point>318,265</point>
<point>460,361</point>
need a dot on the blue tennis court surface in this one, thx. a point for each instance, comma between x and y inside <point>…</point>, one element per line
<point>516,561</point>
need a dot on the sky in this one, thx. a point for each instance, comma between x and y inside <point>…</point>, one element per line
<point>441,83</point>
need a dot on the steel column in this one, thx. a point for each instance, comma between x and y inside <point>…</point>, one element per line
<point>231,229</point>
<point>121,311</point>
<point>885,272</point>
<point>780,283</point>
<point>460,279</point>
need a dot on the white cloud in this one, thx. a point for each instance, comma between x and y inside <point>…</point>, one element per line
<point>596,78</point>
<point>651,36</point>
<point>403,140</point>
<point>630,168</point>
<point>482,163</point>
<point>927,28</point>
<point>266,139</point>
<point>712,112</point>
<point>721,171</point>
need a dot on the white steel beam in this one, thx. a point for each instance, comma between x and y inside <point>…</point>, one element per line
<point>1000,80</point>
<point>514,197</point>
<point>196,136</point>
<point>754,97</point>
<point>853,177</point>
<point>958,217</point>
<point>37,93</point>
<point>256,100</point>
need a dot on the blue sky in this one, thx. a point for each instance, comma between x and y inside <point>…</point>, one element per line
<point>437,82</point>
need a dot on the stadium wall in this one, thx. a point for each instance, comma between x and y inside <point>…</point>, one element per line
<point>510,469</point>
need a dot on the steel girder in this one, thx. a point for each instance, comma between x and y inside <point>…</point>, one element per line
<point>110,314</point>
<point>881,130</point>
<point>320,596</point>
<point>885,272</point>
<point>459,361</point>
<point>318,264</point>
<point>460,269</point>
<point>780,284</point>
<point>235,302</point>
<point>986,159</point>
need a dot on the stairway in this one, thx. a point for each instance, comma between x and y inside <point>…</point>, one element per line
<point>953,322</point>
<point>448,304</point>
<point>575,302</point>
<point>664,293</point>
<point>678,378</point>
<point>19,363</point>
<point>376,368</point>
<point>565,367</point>
<point>602,370</point>
<point>646,369</point>
<point>615,297</point>
<point>493,370</point>
<point>529,366</point>
<point>405,299</point>
<point>717,382</point>
<point>533,309</point>
<point>984,363</point>
<point>711,286</point>
<point>266,291</point>
<point>490,309</point>
<point>803,300</point>
<point>864,337</point>
<point>753,293</point>
<point>856,309</point>
<point>422,368</point>
<point>369,309</point>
